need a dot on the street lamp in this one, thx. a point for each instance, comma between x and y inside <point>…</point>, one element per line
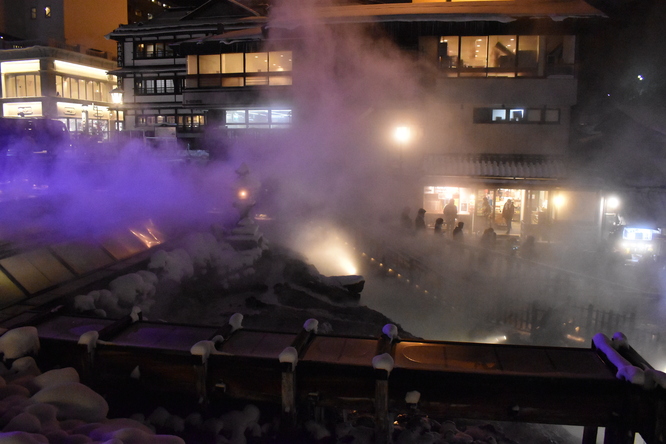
<point>117,100</point>
<point>402,135</point>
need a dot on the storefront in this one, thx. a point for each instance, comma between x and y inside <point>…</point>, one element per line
<point>530,207</point>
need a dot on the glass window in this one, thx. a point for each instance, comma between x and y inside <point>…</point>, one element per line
<point>66,87</point>
<point>499,115</point>
<point>33,13</point>
<point>47,11</point>
<point>534,115</point>
<point>447,52</point>
<point>192,66</point>
<point>474,51</point>
<point>516,115</point>
<point>502,51</point>
<point>552,115</point>
<point>89,90</point>
<point>232,63</point>
<point>257,116</point>
<point>256,62</point>
<point>528,51</point>
<point>74,89</point>
<point>281,116</point>
<point>58,80</point>
<point>209,64</point>
<point>279,61</point>
<point>235,116</point>
<point>82,88</point>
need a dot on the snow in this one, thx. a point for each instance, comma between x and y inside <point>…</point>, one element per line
<point>383,362</point>
<point>89,338</point>
<point>412,397</point>
<point>19,342</point>
<point>391,331</point>
<point>649,378</point>
<point>311,325</point>
<point>203,349</point>
<point>289,355</point>
<point>236,321</point>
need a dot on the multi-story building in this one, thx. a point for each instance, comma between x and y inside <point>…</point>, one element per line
<point>54,61</point>
<point>152,75</point>
<point>497,82</point>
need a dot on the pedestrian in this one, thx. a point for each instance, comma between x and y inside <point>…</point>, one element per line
<point>419,222</point>
<point>458,232</point>
<point>507,214</point>
<point>405,220</point>
<point>450,215</point>
<point>487,212</point>
<point>488,238</point>
<point>438,225</point>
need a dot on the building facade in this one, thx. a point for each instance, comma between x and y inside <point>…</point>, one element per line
<point>152,75</point>
<point>498,84</point>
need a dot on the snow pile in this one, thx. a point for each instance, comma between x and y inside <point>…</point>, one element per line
<point>54,407</point>
<point>174,265</point>
<point>124,293</point>
<point>311,325</point>
<point>18,342</point>
<point>648,378</point>
<point>383,362</point>
<point>391,331</point>
<point>200,254</point>
<point>289,355</point>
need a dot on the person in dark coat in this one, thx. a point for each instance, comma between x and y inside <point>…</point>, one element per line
<point>488,238</point>
<point>458,232</point>
<point>438,225</point>
<point>507,214</point>
<point>450,214</point>
<point>419,222</point>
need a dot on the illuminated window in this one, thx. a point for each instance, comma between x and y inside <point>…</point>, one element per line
<point>23,85</point>
<point>156,86</point>
<point>260,68</point>
<point>516,115</point>
<point>153,50</point>
<point>33,13</point>
<point>257,118</point>
<point>47,12</point>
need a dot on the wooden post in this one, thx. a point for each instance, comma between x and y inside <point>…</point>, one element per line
<point>288,395</point>
<point>590,435</point>
<point>381,407</point>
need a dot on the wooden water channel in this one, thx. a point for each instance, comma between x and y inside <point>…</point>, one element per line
<point>552,385</point>
<point>535,384</point>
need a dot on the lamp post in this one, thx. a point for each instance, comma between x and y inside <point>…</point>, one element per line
<point>117,100</point>
<point>402,135</point>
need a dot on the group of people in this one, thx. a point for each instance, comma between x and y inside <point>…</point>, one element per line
<point>450,213</point>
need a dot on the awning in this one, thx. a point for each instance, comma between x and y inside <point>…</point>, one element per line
<point>495,166</point>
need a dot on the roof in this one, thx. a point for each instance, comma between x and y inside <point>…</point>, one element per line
<point>502,11</point>
<point>495,166</point>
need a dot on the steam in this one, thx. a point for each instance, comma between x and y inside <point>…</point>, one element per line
<point>77,197</point>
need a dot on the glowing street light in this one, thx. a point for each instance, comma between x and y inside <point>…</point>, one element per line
<point>612,203</point>
<point>402,135</point>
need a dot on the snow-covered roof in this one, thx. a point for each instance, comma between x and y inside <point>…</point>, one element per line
<point>504,11</point>
<point>524,167</point>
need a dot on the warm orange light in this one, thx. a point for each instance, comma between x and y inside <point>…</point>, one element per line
<point>242,194</point>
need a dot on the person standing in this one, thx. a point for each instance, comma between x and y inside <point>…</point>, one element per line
<point>419,222</point>
<point>487,212</point>
<point>507,214</point>
<point>450,215</point>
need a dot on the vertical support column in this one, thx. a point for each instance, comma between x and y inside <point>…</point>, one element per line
<point>288,360</point>
<point>590,435</point>
<point>381,407</point>
<point>383,364</point>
